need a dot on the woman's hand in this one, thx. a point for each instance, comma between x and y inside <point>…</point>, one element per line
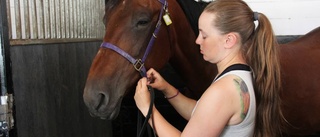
<point>155,80</point>
<point>142,96</point>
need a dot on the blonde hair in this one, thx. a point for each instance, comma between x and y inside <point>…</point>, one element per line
<point>260,50</point>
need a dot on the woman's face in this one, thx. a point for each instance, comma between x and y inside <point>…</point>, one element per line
<point>210,39</point>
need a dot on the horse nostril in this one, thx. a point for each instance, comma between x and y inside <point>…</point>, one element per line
<point>92,115</point>
<point>101,98</point>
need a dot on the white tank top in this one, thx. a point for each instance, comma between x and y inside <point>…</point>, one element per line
<point>246,127</point>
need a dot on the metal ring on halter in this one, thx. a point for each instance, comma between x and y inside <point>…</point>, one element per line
<point>138,65</point>
<point>154,35</point>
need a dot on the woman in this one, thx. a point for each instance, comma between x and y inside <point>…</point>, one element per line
<point>243,100</point>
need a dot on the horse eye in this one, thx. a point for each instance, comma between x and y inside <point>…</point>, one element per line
<point>142,22</point>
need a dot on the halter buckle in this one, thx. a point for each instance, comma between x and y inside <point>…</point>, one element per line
<point>138,65</point>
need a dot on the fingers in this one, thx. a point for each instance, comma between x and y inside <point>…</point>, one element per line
<point>142,96</point>
<point>153,75</point>
<point>142,83</point>
<point>150,73</point>
<point>150,79</point>
<point>140,89</point>
<point>150,76</point>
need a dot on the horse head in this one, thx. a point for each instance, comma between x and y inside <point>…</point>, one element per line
<point>130,25</point>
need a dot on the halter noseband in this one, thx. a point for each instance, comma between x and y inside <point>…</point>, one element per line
<point>138,64</point>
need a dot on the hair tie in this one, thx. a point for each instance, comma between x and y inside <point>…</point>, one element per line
<point>255,16</point>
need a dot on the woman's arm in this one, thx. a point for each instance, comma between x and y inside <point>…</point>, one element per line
<point>216,107</point>
<point>181,103</point>
<point>161,126</point>
<point>157,121</point>
<point>219,104</point>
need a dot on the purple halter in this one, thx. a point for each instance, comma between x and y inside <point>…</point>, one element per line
<point>138,64</point>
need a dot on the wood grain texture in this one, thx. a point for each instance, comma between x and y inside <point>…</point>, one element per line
<point>48,82</point>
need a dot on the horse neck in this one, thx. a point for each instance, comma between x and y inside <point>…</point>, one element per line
<point>186,58</point>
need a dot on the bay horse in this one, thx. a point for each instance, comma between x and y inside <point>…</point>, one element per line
<point>300,64</point>
<point>137,38</point>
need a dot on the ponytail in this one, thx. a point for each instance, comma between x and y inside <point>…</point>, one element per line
<point>262,56</point>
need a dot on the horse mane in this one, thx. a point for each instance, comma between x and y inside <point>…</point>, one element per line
<point>192,10</point>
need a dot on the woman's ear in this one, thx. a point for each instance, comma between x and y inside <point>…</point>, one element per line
<point>231,40</point>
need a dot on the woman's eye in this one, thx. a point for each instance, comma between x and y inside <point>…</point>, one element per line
<point>203,36</point>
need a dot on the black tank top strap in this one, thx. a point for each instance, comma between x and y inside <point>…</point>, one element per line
<point>234,67</point>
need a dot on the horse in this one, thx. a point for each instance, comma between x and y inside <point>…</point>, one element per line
<point>300,63</point>
<point>137,38</point>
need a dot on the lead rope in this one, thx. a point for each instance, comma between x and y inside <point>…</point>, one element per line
<point>141,127</point>
<point>141,132</point>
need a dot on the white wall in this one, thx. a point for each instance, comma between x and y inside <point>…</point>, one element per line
<point>289,17</point>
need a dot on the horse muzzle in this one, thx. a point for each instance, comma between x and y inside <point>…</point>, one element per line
<point>101,105</point>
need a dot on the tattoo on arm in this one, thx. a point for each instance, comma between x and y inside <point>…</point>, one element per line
<point>244,96</point>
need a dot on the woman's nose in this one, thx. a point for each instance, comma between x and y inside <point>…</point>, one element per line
<point>198,40</point>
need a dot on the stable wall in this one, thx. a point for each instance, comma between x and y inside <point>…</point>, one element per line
<point>289,17</point>
<point>48,81</point>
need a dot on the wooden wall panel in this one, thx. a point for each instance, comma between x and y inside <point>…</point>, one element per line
<point>48,82</point>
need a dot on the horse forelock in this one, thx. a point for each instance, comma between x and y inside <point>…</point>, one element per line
<point>111,3</point>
